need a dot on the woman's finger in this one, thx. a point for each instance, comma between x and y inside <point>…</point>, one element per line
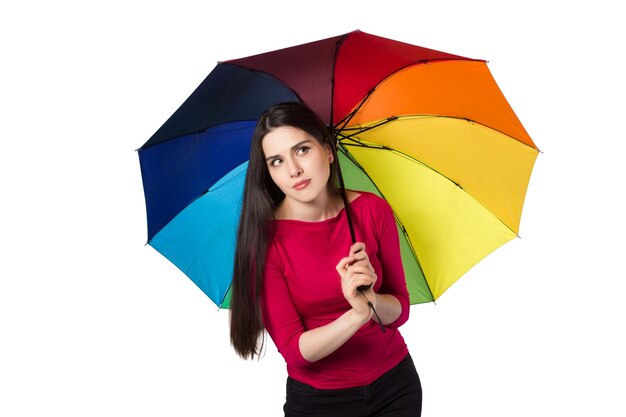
<point>360,256</point>
<point>344,262</point>
<point>360,274</point>
<point>358,247</point>
<point>359,268</point>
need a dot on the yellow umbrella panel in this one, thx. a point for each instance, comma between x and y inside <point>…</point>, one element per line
<point>447,230</point>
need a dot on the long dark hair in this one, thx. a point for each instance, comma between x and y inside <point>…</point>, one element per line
<point>261,197</point>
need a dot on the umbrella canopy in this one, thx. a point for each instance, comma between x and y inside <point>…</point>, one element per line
<point>429,131</point>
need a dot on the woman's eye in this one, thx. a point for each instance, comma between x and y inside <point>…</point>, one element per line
<point>275,162</point>
<point>302,150</point>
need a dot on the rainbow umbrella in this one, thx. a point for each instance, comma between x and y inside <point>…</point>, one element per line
<point>429,131</point>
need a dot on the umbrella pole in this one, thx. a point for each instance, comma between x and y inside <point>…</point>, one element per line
<point>346,205</point>
<point>344,197</point>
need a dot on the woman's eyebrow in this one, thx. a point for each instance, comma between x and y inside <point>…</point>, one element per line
<point>297,145</point>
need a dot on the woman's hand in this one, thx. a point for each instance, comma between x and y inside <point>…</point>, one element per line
<point>356,270</point>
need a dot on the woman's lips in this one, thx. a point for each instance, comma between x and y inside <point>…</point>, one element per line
<point>301,184</point>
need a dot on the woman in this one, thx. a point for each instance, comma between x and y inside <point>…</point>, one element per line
<point>297,272</point>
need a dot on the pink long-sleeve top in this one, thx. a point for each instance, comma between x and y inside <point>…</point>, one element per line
<point>302,291</point>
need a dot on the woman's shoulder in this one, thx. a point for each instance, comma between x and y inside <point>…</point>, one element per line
<point>372,206</point>
<point>365,197</point>
<point>367,204</point>
<point>353,195</point>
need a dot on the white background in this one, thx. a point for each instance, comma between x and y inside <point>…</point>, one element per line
<point>94,323</point>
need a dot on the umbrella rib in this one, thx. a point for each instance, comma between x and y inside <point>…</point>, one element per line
<point>267,74</point>
<point>200,195</point>
<point>348,155</point>
<point>358,129</point>
<point>361,130</point>
<point>224,296</point>
<point>338,44</point>
<point>199,132</point>
<point>346,119</point>
<point>413,159</point>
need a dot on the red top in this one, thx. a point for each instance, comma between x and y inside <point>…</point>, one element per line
<point>302,291</point>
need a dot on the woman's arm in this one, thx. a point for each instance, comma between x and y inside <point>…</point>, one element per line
<point>355,270</point>
<point>283,322</point>
<point>318,343</point>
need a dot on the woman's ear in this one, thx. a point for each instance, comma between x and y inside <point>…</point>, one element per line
<point>331,158</point>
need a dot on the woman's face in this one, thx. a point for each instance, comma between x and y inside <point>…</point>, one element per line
<point>297,162</point>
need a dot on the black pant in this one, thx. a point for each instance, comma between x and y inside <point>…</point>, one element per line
<point>397,393</point>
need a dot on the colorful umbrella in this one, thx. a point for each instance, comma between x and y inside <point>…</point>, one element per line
<point>429,131</point>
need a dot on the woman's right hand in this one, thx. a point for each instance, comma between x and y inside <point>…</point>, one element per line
<point>355,270</point>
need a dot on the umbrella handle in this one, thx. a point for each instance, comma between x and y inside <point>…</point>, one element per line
<point>362,288</point>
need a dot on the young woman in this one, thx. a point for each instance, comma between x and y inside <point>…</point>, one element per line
<point>297,272</point>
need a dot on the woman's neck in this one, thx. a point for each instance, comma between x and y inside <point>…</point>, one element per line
<point>324,207</point>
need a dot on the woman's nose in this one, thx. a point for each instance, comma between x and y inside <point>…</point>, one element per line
<point>294,169</point>
<point>295,172</point>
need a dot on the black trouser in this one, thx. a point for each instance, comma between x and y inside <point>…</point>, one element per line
<point>397,393</point>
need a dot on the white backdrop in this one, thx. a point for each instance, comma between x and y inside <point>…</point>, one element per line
<point>94,323</point>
